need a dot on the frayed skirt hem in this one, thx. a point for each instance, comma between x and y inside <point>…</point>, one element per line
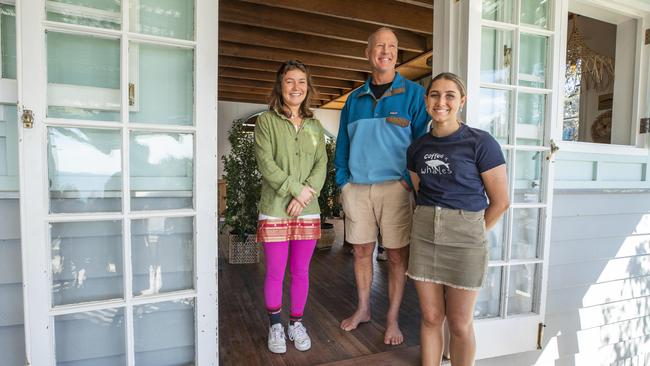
<point>424,279</point>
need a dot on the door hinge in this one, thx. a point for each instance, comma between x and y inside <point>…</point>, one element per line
<point>28,118</point>
<point>540,334</point>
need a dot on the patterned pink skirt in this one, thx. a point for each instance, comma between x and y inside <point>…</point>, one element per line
<point>284,229</point>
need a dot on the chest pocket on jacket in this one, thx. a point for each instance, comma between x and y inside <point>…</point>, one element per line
<point>399,121</point>
<point>308,143</point>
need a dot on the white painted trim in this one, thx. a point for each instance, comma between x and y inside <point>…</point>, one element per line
<point>125,69</point>
<point>205,181</point>
<point>83,11</point>
<point>82,30</point>
<point>60,122</point>
<point>447,36</point>
<point>609,9</point>
<point>595,148</point>
<point>162,41</point>
<point>31,95</point>
<point>156,127</point>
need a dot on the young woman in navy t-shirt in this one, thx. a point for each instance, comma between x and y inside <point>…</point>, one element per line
<point>459,174</point>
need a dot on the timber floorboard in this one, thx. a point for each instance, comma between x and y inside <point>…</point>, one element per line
<point>243,323</point>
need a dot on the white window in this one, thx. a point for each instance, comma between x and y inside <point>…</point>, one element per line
<point>602,54</point>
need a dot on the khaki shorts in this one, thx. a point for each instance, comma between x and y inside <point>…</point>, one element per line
<point>448,247</point>
<point>385,206</point>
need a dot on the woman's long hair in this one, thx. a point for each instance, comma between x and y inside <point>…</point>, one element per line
<point>276,101</point>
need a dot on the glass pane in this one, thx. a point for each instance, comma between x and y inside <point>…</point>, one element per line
<point>92,13</point>
<point>522,291</point>
<point>162,84</point>
<point>93,338</point>
<point>531,112</point>
<point>525,233</point>
<point>497,238</point>
<point>498,10</point>
<point>85,170</point>
<point>532,60</point>
<point>162,253</point>
<point>164,333</point>
<point>495,113</point>
<point>528,176</point>
<point>535,12</point>
<point>496,55</point>
<point>86,261</point>
<point>489,297</point>
<point>8,148</point>
<point>83,76</point>
<point>164,18</point>
<point>162,170</point>
<point>8,40</point>
<point>12,329</point>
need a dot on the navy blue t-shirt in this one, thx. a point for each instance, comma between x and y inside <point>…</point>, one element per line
<point>450,168</point>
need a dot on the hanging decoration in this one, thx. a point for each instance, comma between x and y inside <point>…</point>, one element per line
<point>596,70</point>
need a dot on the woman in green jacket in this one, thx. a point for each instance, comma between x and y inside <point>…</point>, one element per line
<point>290,152</point>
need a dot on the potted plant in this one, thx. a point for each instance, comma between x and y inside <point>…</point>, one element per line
<point>328,200</point>
<point>243,183</point>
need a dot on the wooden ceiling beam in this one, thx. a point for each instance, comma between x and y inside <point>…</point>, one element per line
<point>256,36</point>
<point>412,70</point>
<point>379,12</point>
<point>272,66</point>
<point>293,21</point>
<point>245,82</point>
<point>423,3</point>
<point>270,76</point>
<point>281,55</point>
<point>268,85</point>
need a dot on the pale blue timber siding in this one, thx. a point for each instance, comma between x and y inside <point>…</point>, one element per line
<point>598,299</point>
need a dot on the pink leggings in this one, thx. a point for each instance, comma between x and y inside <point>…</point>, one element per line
<point>299,252</point>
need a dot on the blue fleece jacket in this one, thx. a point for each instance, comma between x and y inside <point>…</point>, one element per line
<point>375,133</point>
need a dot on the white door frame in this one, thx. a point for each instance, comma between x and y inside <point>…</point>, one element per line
<point>31,86</point>
<point>458,34</point>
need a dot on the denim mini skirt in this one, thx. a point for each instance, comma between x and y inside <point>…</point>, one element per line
<point>448,247</point>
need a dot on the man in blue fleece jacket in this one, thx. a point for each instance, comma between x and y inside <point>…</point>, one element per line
<point>378,123</point>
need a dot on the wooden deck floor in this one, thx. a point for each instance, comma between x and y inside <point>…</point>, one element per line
<point>243,323</point>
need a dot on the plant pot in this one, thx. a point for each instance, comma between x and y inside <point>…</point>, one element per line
<point>242,251</point>
<point>327,236</point>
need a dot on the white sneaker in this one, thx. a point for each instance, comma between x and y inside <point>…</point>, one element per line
<point>298,334</point>
<point>277,343</point>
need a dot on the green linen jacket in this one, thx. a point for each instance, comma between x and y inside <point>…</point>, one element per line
<point>288,160</point>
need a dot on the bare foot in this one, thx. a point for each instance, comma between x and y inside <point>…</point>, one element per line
<point>357,318</point>
<point>393,335</point>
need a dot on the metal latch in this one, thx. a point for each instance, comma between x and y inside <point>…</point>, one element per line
<point>28,118</point>
<point>554,149</point>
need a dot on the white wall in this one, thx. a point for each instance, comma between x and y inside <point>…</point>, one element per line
<point>230,111</point>
<point>598,303</point>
